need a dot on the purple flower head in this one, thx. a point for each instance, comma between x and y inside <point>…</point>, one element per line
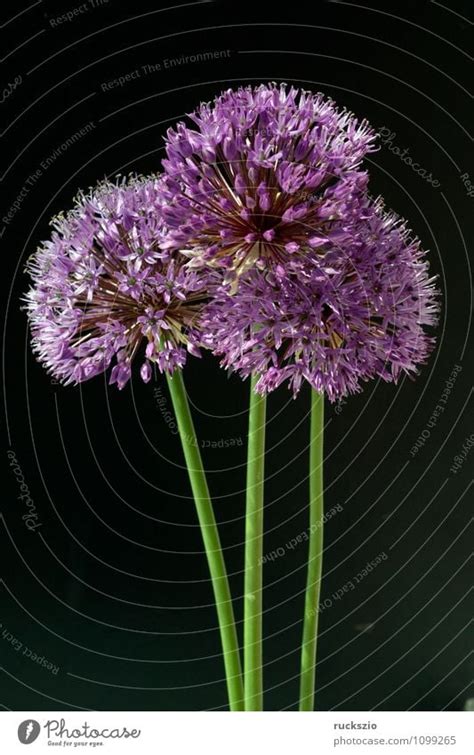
<point>103,290</point>
<point>336,319</point>
<point>265,175</point>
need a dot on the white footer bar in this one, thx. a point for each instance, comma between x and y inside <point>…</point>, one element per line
<point>201,733</point>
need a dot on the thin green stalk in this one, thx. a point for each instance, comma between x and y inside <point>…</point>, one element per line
<point>253,683</point>
<point>315,555</point>
<point>212,544</point>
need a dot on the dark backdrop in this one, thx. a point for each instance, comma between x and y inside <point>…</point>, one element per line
<point>111,587</point>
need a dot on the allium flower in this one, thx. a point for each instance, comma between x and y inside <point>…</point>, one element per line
<point>352,313</point>
<point>265,176</point>
<point>103,290</point>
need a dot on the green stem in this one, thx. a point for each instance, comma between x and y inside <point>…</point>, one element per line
<point>315,555</point>
<point>210,536</point>
<point>253,552</point>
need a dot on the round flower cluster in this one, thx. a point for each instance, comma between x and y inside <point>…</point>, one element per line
<point>259,241</point>
<point>353,313</point>
<point>265,176</point>
<point>318,281</point>
<point>104,291</point>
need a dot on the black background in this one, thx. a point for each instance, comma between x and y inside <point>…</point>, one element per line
<point>113,587</point>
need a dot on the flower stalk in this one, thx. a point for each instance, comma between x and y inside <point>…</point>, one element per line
<point>315,555</point>
<point>253,666</point>
<point>212,544</point>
